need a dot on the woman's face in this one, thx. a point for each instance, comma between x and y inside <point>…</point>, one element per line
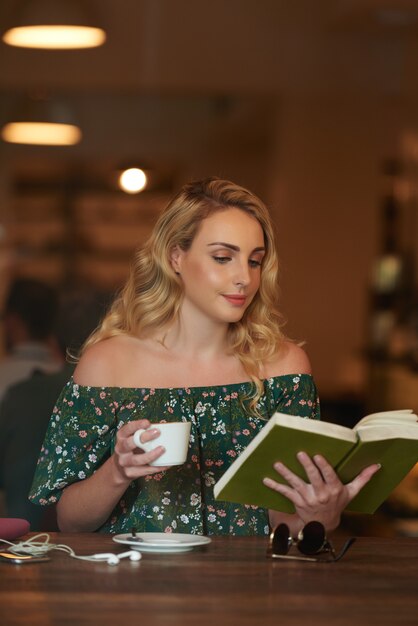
<point>221,270</point>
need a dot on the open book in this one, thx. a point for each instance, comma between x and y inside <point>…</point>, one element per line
<point>389,438</point>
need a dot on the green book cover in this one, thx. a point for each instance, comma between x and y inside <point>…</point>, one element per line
<point>393,444</point>
<point>397,457</point>
<point>280,440</point>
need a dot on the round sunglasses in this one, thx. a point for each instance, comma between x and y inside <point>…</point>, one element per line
<point>311,542</point>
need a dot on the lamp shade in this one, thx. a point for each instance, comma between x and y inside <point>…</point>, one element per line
<point>54,24</point>
<point>42,121</point>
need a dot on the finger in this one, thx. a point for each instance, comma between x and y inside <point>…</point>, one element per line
<point>141,457</point>
<point>131,463</point>
<point>126,444</point>
<point>355,486</point>
<point>145,458</point>
<point>293,495</point>
<point>129,428</point>
<point>313,474</point>
<point>157,470</point>
<point>329,475</point>
<point>293,480</point>
<point>147,435</point>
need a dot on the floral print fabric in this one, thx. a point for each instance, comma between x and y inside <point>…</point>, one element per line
<point>82,431</point>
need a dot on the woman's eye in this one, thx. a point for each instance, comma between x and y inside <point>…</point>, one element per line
<point>254,263</point>
<point>222,259</point>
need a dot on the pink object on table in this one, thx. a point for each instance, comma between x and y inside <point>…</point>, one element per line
<point>11,528</point>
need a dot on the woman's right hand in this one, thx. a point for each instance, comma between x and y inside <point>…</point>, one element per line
<point>131,462</point>
<point>85,505</point>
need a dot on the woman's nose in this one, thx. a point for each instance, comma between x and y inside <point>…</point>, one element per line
<point>242,276</point>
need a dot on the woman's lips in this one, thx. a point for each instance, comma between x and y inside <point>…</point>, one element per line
<point>235,300</point>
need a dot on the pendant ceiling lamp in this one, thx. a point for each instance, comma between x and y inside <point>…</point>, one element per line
<point>42,121</point>
<point>53,25</point>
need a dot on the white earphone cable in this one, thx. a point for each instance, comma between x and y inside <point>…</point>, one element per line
<point>39,545</point>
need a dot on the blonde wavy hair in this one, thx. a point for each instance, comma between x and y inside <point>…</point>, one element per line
<point>152,295</point>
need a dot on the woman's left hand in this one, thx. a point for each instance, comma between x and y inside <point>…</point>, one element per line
<point>324,497</point>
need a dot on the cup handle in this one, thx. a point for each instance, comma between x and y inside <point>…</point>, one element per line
<point>137,440</point>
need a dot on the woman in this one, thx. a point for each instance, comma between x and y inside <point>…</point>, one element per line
<point>194,335</point>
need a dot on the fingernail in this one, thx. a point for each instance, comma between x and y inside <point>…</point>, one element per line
<point>379,465</point>
<point>267,482</point>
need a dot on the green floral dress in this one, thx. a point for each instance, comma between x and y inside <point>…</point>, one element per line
<point>81,436</point>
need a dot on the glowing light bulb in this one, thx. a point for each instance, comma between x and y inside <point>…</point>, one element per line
<point>133,180</point>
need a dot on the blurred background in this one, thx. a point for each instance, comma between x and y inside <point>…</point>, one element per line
<point>312,105</point>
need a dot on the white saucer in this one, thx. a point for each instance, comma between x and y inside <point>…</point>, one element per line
<point>169,543</point>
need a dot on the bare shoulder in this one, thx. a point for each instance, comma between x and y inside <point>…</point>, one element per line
<point>100,365</point>
<point>291,359</point>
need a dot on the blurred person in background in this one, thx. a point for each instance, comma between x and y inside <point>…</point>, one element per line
<point>29,315</point>
<point>27,406</point>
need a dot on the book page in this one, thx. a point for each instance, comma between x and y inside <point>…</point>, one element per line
<point>405,417</point>
<point>388,431</point>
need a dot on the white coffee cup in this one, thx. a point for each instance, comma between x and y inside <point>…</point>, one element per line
<point>174,437</point>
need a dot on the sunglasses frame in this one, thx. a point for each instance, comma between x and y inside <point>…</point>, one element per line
<point>309,552</point>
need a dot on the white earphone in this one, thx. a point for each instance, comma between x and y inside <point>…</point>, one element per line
<point>133,555</point>
<point>114,559</point>
<point>39,545</point>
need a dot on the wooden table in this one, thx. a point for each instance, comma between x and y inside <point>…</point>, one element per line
<point>229,582</point>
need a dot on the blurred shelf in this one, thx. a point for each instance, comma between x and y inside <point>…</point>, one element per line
<point>80,237</point>
<point>392,386</point>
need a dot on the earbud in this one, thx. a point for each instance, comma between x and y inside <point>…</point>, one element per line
<point>113,560</point>
<point>133,555</point>
<point>109,557</point>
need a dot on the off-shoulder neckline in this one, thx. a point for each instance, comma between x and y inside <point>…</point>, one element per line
<point>197,387</point>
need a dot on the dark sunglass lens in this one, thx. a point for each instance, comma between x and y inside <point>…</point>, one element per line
<point>281,543</point>
<point>312,538</point>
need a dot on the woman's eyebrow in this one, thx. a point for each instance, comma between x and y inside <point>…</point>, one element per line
<point>231,246</point>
